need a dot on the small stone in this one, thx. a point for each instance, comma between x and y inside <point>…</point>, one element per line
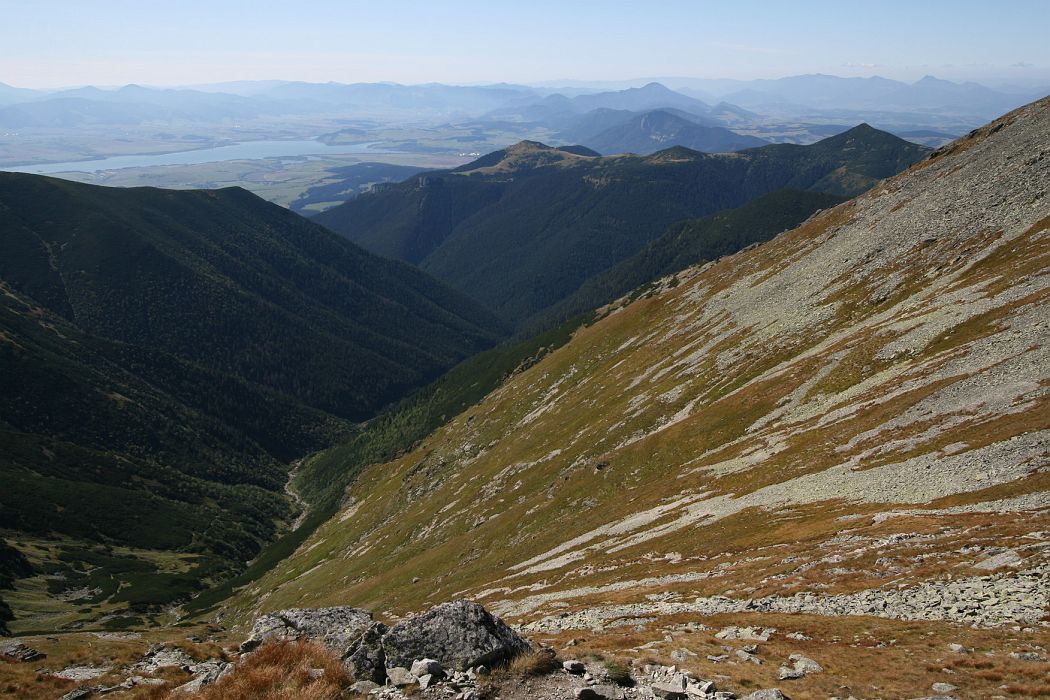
<point>789,674</point>
<point>700,689</point>
<point>399,677</point>
<point>573,666</point>
<point>805,664</point>
<point>957,648</point>
<point>85,691</point>
<point>426,680</point>
<point>422,667</point>
<point>943,688</point>
<point>748,656</point>
<point>363,687</point>
<point>671,688</point>
<point>767,694</point>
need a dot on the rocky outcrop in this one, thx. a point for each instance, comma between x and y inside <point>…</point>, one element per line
<point>337,628</point>
<point>16,651</point>
<point>365,657</point>
<point>458,635</point>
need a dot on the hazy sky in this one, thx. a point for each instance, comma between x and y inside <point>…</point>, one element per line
<point>49,43</point>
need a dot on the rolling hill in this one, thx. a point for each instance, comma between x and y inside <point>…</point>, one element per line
<point>834,442</point>
<point>165,354</point>
<point>660,129</point>
<point>523,228</point>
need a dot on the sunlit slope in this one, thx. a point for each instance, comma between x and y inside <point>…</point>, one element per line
<point>883,366</point>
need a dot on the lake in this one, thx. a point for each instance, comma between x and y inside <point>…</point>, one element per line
<point>249,150</point>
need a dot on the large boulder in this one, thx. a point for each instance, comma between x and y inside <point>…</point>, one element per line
<point>336,628</point>
<point>365,658</point>
<point>458,635</point>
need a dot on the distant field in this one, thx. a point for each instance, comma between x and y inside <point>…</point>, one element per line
<point>279,180</point>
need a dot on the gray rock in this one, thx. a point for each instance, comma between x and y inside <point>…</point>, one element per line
<point>957,648</point>
<point>805,664</point>
<point>672,687</point>
<point>426,680</point>
<point>17,651</point>
<point>363,687</point>
<point>1005,558</point>
<point>609,691</point>
<point>747,656</point>
<point>422,667</point>
<point>458,635</point>
<point>785,673</point>
<point>943,688</point>
<point>78,693</point>
<point>337,628</point>
<point>754,634</point>
<point>725,695</point>
<point>399,676</point>
<point>159,657</point>
<point>143,680</point>
<point>365,658</point>
<point>82,673</point>
<point>206,673</point>
<point>700,689</point>
<point>1026,656</point>
<point>599,692</point>
<point>766,694</point>
<point>573,666</point>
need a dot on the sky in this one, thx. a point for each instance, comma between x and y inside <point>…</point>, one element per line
<point>53,43</point>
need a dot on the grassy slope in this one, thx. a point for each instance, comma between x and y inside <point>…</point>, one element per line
<point>693,242</point>
<point>324,477</point>
<point>594,469</point>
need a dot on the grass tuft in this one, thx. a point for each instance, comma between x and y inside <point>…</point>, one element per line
<point>283,670</point>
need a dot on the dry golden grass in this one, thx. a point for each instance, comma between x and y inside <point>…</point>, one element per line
<point>282,670</point>
<point>534,663</point>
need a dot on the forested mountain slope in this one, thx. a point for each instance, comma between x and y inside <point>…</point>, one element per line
<point>165,354</point>
<point>523,228</point>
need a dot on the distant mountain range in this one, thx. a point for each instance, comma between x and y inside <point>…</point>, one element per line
<point>522,228</point>
<point>164,355</point>
<point>811,96</point>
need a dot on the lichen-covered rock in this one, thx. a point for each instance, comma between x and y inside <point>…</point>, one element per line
<point>337,628</point>
<point>458,635</point>
<point>205,674</point>
<point>365,658</point>
<point>14,650</point>
<point>767,694</point>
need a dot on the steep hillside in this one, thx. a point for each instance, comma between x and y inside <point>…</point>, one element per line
<point>842,434</point>
<point>523,228</point>
<point>163,355</point>
<point>660,129</point>
<point>691,242</point>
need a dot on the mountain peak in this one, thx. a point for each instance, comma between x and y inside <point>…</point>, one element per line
<point>526,155</point>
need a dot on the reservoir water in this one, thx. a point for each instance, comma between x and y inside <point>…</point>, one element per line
<point>248,150</point>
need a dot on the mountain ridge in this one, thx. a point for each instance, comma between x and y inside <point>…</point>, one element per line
<point>164,355</point>
<point>520,243</point>
<point>842,430</point>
